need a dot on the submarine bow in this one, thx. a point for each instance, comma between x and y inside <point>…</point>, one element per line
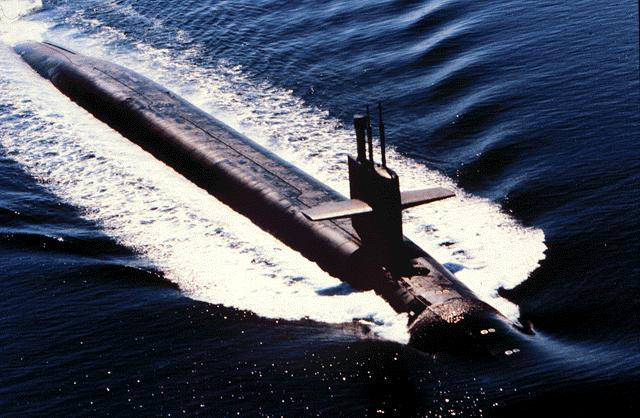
<point>358,240</point>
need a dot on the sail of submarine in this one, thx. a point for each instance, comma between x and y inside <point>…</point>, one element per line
<point>358,240</point>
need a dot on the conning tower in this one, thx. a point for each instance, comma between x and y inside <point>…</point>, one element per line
<point>376,203</point>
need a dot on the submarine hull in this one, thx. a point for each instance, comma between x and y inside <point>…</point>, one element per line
<point>269,191</point>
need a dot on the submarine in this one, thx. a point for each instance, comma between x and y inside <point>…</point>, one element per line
<point>357,239</point>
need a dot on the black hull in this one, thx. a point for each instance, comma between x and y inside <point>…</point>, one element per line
<point>266,189</point>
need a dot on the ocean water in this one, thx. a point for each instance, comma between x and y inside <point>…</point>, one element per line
<point>128,290</point>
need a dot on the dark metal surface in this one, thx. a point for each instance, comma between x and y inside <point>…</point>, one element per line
<point>336,210</point>
<point>411,198</point>
<point>268,190</point>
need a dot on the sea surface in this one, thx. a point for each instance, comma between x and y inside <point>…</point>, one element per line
<point>126,290</point>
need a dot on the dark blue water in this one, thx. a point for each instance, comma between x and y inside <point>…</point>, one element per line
<point>533,106</point>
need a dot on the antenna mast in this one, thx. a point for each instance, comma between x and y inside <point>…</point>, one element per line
<point>383,151</point>
<point>369,136</point>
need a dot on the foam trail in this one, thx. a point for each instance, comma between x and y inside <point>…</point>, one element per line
<point>148,207</point>
<point>12,10</point>
<point>13,29</point>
